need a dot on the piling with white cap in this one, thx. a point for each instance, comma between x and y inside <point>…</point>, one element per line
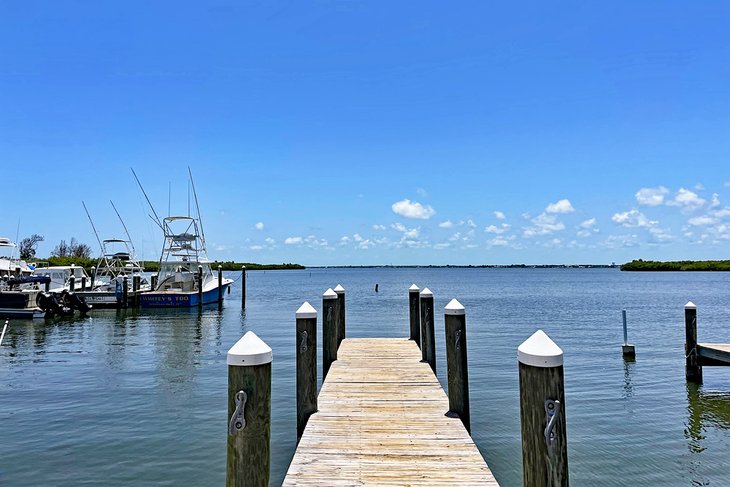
<point>340,314</point>
<point>415,318</point>
<point>243,287</point>
<point>125,292</point>
<point>306,343</point>
<point>456,362</point>
<point>627,349</point>
<point>329,330</point>
<point>200,286</point>
<point>542,412</point>
<point>428,341</point>
<point>249,412</point>
<point>693,369</point>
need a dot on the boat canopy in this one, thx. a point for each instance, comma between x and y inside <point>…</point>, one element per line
<point>6,242</point>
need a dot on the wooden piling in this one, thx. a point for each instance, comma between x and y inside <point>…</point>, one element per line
<point>220,285</point>
<point>542,413</point>
<point>627,349</point>
<point>125,292</point>
<point>329,330</point>
<point>93,277</point>
<point>153,282</point>
<point>456,362</point>
<point>693,370</point>
<point>415,313</point>
<point>83,283</point>
<point>428,341</point>
<point>341,329</point>
<point>306,343</point>
<point>47,286</point>
<point>243,287</point>
<point>249,413</point>
<point>72,283</point>
<point>136,279</point>
<point>200,286</point>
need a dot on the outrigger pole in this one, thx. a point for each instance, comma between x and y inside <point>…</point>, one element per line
<point>156,218</point>
<point>197,207</point>
<point>129,238</point>
<point>94,228</point>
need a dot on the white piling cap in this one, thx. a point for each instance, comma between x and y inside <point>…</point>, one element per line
<point>690,305</point>
<point>427,293</point>
<point>540,351</point>
<point>454,308</point>
<point>414,288</point>
<point>339,289</point>
<point>249,350</point>
<point>329,294</point>
<point>306,311</point>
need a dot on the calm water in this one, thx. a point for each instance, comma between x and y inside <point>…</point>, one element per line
<point>139,399</point>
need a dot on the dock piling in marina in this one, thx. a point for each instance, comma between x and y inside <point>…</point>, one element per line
<point>414,307</point>
<point>306,343</point>
<point>220,285</point>
<point>243,287</point>
<point>428,341</point>
<point>153,281</point>
<point>136,279</point>
<point>542,412</point>
<point>125,292</point>
<point>329,330</point>
<point>249,413</point>
<point>627,348</point>
<point>200,286</point>
<point>693,370</point>
<point>456,362</point>
<point>83,283</point>
<point>93,277</point>
<point>72,283</point>
<point>341,328</point>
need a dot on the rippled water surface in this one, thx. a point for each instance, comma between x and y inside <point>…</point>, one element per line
<point>130,398</point>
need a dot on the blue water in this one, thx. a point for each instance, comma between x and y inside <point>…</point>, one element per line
<point>129,398</point>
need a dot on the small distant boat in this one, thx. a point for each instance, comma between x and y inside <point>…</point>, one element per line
<point>185,278</point>
<point>9,264</point>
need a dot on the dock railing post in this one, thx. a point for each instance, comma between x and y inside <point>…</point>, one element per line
<point>125,292</point>
<point>456,362</point>
<point>542,413</point>
<point>249,413</point>
<point>693,370</point>
<point>220,284</point>
<point>200,286</point>
<point>341,329</point>
<point>428,341</point>
<point>627,349</point>
<point>329,330</point>
<point>415,313</point>
<point>243,287</point>
<point>306,343</point>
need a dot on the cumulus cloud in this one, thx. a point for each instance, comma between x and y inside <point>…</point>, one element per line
<point>561,206</point>
<point>446,224</point>
<point>497,230</point>
<point>259,226</point>
<point>632,219</point>
<point>687,200</point>
<point>715,202</point>
<point>378,227</point>
<point>702,220</point>
<point>293,240</point>
<point>407,232</point>
<point>442,246</point>
<point>470,223</point>
<point>543,224</point>
<point>651,196</point>
<point>590,223</point>
<point>413,209</point>
<point>499,215</point>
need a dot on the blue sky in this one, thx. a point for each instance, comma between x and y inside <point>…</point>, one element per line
<point>347,132</point>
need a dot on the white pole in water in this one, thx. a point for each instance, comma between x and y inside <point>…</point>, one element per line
<point>628,349</point>
<point>3,334</point>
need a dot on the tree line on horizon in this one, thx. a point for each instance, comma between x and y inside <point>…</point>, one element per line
<point>680,265</point>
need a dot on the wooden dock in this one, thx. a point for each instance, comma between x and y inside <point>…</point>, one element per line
<point>713,353</point>
<point>381,421</point>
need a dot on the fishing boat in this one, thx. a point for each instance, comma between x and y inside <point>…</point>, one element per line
<point>9,264</point>
<point>185,278</point>
<point>60,277</point>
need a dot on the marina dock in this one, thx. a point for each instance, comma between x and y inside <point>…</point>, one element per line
<point>381,420</point>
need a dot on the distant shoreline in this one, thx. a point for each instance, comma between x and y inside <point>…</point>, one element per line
<point>640,265</point>
<point>481,266</point>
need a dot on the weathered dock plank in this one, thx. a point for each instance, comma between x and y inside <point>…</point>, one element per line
<point>381,421</point>
<point>714,353</point>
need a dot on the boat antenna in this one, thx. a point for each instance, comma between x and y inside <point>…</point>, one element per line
<point>93,227</point>
<point>169,193</point>
<point>17,236</point>
<point>129,239</point>
<point>188,197</point>
<point>156,219</point>
<point>197,206</point>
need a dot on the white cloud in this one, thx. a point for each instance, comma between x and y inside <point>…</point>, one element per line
<point>543,224</point>
<point>413,209</point>
<point>470,223</point>
<point>687,200</point>
<point>583,233</point>
<point>715,200</point>
<point>702,220</point>
<point>660,235</point>
<point>632,219</point>
<point>699,187</point>
<point>446,224</point>
<point>407,232</point>
<point>651,196</point>
<point>498,230</point>
<point>293,240</point>
<point>378,227</point>
<point>256,247</point>
<point>498,242</point>
<point>357,237</point>
<point>723,213</point>
<point>590,223</point>
<point>269,240</point>
<point>561,206</point>
<point>422,192</point>
<point>499,215</point>
<point>441,246</point>
<point>259,226</point>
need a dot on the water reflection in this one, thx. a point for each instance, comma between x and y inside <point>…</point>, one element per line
<point>705,409</point>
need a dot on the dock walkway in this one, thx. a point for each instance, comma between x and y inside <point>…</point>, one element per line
<point>381,421</point>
